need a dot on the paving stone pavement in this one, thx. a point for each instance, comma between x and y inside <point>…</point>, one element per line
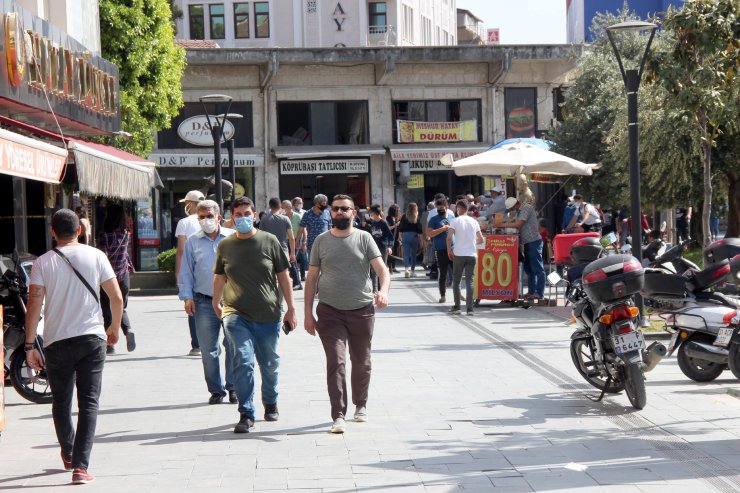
<point>484,403</point>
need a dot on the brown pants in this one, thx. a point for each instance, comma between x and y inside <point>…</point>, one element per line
<point>337,330</point>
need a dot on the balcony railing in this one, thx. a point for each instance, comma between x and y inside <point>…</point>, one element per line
<point>381,36</point>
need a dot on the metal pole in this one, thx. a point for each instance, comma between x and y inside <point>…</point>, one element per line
<point>216,132</point>
<point>232,169</point>
<point>632,83</point>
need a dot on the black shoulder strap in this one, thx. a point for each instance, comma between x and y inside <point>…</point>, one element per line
<point>87,285</point>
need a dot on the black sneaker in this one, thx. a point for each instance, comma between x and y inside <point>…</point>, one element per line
<point>244,424</point>
<point>470,313</point>
<point>110,350</point>
<point>455,310</point>
<point>130,341</point>
<point>232,397</point>
<point>216,399</point>
<point>271,412</point>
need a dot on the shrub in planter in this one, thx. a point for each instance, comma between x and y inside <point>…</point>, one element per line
<point>166,260</point>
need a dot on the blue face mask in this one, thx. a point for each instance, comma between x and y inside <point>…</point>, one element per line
<point>244,224</point>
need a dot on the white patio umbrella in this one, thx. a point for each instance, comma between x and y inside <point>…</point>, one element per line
<point>521,157</point>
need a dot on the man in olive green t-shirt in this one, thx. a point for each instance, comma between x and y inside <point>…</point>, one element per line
<point>250,268</point>
<point>340,267</point>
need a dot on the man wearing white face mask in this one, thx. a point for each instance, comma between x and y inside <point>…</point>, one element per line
<point>196,290</point>
<point>186,227</point>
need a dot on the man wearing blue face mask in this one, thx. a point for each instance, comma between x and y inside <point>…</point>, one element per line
<point>250,267</point>
<point>196,290</point>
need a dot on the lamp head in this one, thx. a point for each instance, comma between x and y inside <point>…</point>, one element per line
<point>215,98</point>
<point>629,47</point>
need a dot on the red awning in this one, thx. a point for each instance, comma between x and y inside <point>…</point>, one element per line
<point>101,169</point>
<point>30,158</point>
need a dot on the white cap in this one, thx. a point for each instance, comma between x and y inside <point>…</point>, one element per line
<point>496,189</point>
<point>193,196</point>
<point>510,202</point>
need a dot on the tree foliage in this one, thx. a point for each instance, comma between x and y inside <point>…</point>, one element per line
<point>138,36</point>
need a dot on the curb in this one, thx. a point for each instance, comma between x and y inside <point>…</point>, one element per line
<point>734,393</point>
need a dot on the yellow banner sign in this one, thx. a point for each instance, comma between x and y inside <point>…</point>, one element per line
<point>415,181</point>
<point>414,132</point>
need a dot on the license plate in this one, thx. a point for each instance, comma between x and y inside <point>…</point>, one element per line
<point>672,344</point>
<point>723,336</point>
<point>630,341</point>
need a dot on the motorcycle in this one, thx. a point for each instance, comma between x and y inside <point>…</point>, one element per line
<point>696,316</point>
<point>608,348</point>
<point>14,280</point>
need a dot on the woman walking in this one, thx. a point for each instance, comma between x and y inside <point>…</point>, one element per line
<point>381,233</point>
<point>114,242</point>
<point>410,230</point>
<point>392,220</point>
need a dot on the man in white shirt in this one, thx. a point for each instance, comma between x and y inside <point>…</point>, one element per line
<point>69,279</point>
<point>467,235</point>
<point>185,227</point>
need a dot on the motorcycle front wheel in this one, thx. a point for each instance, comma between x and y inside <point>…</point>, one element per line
<point>634,385</point>
<point>734,359</point>
<point>581,352</point>
<point>30,384</point>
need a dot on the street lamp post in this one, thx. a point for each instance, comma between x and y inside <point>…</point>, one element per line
<point>216,127</point>
<point>631,77</point>
<point>230,151</point>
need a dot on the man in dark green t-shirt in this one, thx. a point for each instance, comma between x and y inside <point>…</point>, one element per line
<point>250,268</point>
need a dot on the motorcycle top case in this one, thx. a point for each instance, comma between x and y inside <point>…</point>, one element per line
<point>722,249</point>
<point>712,275</point>
<point>613,278</point>
<point>585,250</point>
<point>561,245</point>
<point>660,283</point>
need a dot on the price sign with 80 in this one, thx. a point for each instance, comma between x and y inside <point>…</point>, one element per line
<point>493,267</point>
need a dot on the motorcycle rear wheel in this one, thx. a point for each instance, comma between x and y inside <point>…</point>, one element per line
<point>30,384</point>
<point>698,370</point>
<point>581,353</point>
<point>634,385</point>
<point>734,359</point>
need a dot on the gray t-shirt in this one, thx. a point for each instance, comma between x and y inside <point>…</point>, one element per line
<point>529,231</point>
<point>344,282</point>
<point>278,225</point>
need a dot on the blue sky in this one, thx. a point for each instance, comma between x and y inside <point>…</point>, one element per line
<point>522,21</point>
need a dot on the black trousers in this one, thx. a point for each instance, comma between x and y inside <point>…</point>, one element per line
<point>76,362</point>
<point>105,306</point>
<point>444,266</point>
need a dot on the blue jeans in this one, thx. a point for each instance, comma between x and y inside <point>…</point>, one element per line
<point>250,340</point>
<point>76,362</point>
<point>208,327</point>
<point>193,334</point>
<point>534,267</point>
<point>410,246</point>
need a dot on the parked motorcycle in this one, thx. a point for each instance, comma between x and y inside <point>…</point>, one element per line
<point>608,348</point>
<point>14,279</point>
<point>697,316</point>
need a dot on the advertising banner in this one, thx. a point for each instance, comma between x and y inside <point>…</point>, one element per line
<point>414,132</point>
<point>324,166</point>
<point>497,271</point>
<point>28,158</point>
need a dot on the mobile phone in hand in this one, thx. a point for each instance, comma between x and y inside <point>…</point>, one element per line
<point>287,327</point>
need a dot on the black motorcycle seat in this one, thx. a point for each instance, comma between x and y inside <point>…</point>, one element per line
<point>719,298</point>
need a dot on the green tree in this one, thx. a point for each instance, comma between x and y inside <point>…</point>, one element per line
<point>698,73</point>
<point>138,36</point>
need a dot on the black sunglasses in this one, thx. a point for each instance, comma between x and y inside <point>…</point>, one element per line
<point>343,208</point>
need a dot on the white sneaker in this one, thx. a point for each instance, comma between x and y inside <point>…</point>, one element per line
<point>406,273</point>
<point>361,414</point>
<point>338,426</point>
<point>413,274</point>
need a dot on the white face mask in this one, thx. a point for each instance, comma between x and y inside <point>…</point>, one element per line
<point>208,225</point>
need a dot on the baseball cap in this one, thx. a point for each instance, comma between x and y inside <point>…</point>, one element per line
<point>497,189</point>
<point>193,196</point>
<point>510,202</point>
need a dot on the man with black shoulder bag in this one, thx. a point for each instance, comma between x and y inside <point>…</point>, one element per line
<point>65,281</point>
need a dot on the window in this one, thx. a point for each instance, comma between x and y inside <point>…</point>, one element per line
<point>323,123</point>
<point>437,111</point>
<point>378,18</point>
<point>261,20</point>
<point>241,20</point>
<point>218,25</point>
<point>197,22</point>
<point>408,24</point>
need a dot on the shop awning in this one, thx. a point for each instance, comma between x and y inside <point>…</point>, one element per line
<point>30,158</point>
<point>304,152</point>
<point>421,152</point>
<point>105,170</point>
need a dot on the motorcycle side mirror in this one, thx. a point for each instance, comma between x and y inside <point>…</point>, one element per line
<point>553,278</point>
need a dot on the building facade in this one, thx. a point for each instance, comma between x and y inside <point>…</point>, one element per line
<point>319,23</point>
<point>369,122</point>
